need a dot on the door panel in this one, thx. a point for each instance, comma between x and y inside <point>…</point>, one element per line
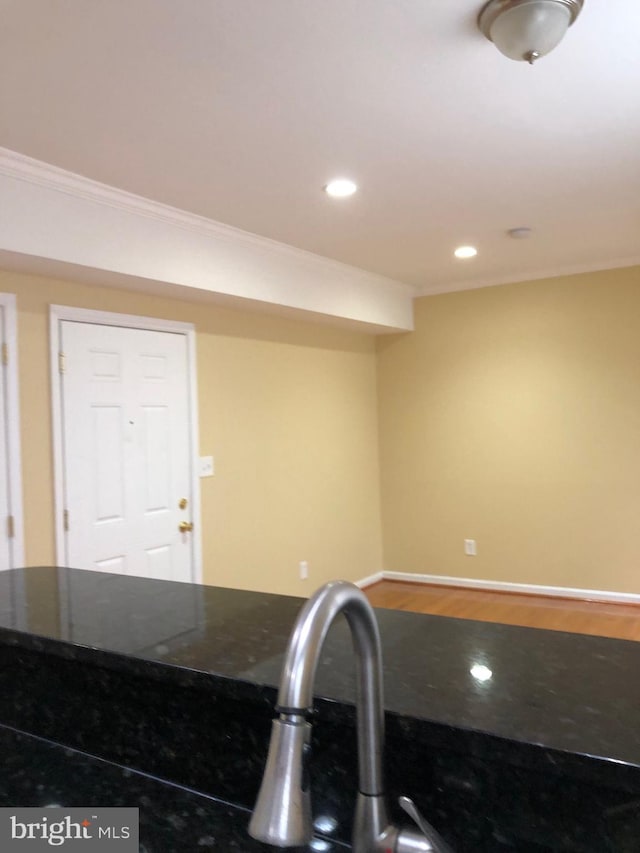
<point>127,450</point>
<point>108,459</point>
<point>156,438</point>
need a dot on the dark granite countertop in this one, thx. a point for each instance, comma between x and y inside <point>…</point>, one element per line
<point>173,819</point>
<point>571,693</point>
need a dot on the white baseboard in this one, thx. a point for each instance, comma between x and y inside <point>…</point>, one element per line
<point>369,580</point>
<point>504,586</point>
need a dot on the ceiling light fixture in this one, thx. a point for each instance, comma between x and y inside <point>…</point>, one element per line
<point>525,30</point>
<point>466,252</point>
<point>340,188</point>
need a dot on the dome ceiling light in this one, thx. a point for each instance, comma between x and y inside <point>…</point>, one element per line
<point>525,30</point>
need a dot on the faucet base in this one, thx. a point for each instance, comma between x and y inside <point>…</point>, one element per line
<point>372,832</point>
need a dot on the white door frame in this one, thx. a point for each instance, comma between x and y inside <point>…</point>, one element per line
<point>14,464</point>
<point>58,313</point>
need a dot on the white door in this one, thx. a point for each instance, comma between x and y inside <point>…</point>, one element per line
<point>11,553</point>
<point>127,453</point>
<point>5,503</point>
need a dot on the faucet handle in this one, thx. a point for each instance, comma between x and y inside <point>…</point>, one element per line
<point>406,838</point>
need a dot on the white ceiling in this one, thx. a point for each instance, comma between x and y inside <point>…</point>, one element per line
<point>241,110</point>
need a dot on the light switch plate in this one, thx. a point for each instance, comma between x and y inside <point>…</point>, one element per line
<point>206,466</point>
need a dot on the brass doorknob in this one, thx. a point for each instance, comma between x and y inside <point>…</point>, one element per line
<point>185,526</point>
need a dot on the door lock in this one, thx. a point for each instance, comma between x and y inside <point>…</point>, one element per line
<point>185,526</point>
<point>182,503</point>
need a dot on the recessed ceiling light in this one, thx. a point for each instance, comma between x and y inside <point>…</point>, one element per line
<point>465,252</point>
<point>340,188</point>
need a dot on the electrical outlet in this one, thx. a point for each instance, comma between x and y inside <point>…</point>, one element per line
<point>470,547</point>
<point>304,570</point>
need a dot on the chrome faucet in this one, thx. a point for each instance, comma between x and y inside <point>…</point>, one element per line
<point>282,814</point>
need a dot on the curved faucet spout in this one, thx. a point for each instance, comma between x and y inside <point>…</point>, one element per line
<point>282,814</point>
<point>301,661</point>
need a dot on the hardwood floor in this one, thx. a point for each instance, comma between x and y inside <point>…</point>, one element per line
<point>600,619</point>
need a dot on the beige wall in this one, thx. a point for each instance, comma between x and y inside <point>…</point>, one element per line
<point>512,416</point>
<point>287,408</point>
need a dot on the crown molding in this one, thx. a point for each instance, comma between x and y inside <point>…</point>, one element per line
<point>555,272</point>
<point>24,168</point>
